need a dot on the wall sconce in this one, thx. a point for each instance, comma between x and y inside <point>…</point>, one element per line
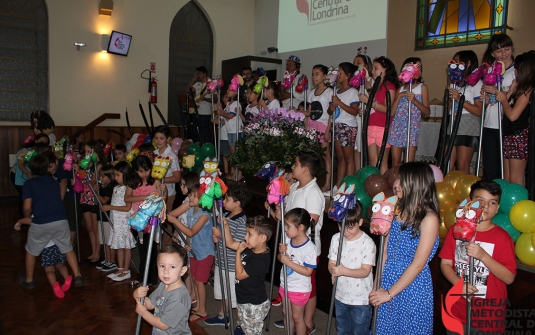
<point>78,45</point>
<point>105,7</point>
<point>105,42</point>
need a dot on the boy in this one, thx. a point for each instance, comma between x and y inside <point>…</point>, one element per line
<point>355,278</point>
<point>252,265</point>
<point>306,193</point>
<point>236,199</point>
<point>494,263</point>
<point>42,199</point>
<point>170,300</point>
<point>119,153</point>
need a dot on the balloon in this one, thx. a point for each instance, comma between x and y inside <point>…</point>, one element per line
<point>392,175</point>
<point>182,152</point>
<point>208,150</point>
<point>452,177</point>
<point>522,216</point>
<point>511,194</point>
<point>462,189</point>
<point>364,199</point>
<point>194,149</point>
<point>365,172</point>
<point>446,194</point>
<point>503,221</point>
<point>437,173</point>
<point>443,230</point>
<point>375,184</point>
<point>447,215</point>
<point>532,240</point>
<point>352,180</point>
<point>175,144</point>
<point>147,139</point>
<point>388,192</point>
<point>525,250</point>
<point>501,182</point>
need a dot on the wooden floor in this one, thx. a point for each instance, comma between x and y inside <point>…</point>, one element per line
<point>101,307</point>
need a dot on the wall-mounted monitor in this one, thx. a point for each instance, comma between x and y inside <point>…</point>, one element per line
<point>119,43</point>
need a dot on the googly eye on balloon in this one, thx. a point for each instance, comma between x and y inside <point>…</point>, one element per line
<point>386,210</point>
<point>376,208</point>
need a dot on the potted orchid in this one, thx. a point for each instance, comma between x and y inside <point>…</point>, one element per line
<point>274,135</point>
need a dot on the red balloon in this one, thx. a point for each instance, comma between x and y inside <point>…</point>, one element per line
<point>392,175</point>
<point>375,184</point>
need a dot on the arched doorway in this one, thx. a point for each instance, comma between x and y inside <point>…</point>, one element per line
<point>190,45</point>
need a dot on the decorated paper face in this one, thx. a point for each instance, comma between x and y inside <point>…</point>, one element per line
<point>188,161</point>
<point>131,155</point>
<point>210,166</point>
<point>493,73</point>
<point>160,167</point>
<point>468,216</point>
<point>456,71</point>
<point>279,186</point>
<point>267,171</point>
<point>152,206</point>
<point>342,202</point>
<point>358,77</point>
<point>382,214</point>
<point>288,80</point>
<point>332,76</point>
<point>302,84</point>
<point>409,71</point>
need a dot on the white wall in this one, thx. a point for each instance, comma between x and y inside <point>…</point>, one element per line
<point>86,83</point>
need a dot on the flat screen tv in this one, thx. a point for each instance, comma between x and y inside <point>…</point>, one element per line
<point>119,43</point>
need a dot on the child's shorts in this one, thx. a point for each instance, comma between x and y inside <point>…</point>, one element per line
<point>375,136</point>
<point>89,208</point>
<point>225,149</point>
<point>345,134</point>
<point>232,138</point>
<point>107,231</point>
<point>217,285</point>
<point>200,270</point>
<point>296,298</point>
<point>40,234</point>
<point>320,127</point>
<point>52,256</point>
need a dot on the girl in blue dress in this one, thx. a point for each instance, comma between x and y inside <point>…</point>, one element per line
<point>405,299</point>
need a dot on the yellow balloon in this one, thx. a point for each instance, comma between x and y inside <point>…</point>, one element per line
<point>522,216</point>
<point>525,250</point>
<point>448,215</point>
<point>533,240</point>
<point>452,177</point>
<point>463,186</point>
<point>446,194</point>
<point>443,230</point>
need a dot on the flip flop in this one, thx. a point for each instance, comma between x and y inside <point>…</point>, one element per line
<point>200,317</point>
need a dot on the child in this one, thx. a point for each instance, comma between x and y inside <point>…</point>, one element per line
<point>319,100</point>
<point>407,289</point>
<point>252,108</point>
<point>299,256</point>
<point>516,112</point>
<point>272,94</point>
<point>199,230</point>
<point>52,259</point>
<point>345,105</point>
<point>236,199</point>
<point>252,265</point>
<point>105,192</point>
<point>355,278</point>
<point>361,61</point>
<point>233,125</point>
<point>293,65</point>
<point>140,184</point>
<point>42,200</point>
<point>500,47</point>
<point>119,153</point>
<point>223,134</point>
<point>383,67</point>
<point>419,98</point>
<point>494,264</point>
<point>170,300</point>
<point>467,138</point>
<point>121,238</point>
<point>162,138</point>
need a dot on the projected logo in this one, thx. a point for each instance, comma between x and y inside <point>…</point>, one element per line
<point>322,11</point>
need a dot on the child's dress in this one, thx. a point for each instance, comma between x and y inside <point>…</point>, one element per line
<point>87,197</point>
<point>141,190</point>
<point>121,236</point>
<point>398,128</point>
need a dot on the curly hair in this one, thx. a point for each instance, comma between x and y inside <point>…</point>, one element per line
<point>240,192</point>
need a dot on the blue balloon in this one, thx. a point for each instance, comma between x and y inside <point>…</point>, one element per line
<point>148,139</point>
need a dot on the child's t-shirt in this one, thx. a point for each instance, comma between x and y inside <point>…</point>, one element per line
<point>107,191</point>
<point>172,307</point>
<point>349,290</point>
<point>238,231</point>
<point>321,103</point>
<point>201,243</point>
<point>252,290</point>
<point>274,104</point>
<point>378,119</point>
<point>305,255</point>
<point>499,245</point>
<point>47,205</point>
<point>235,124</point>
<point>251,111</point>
<point>349,97</point>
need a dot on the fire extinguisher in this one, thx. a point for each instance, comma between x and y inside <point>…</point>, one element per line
<point>153,91</point>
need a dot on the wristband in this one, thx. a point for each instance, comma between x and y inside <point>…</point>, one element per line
<point>388,291</point>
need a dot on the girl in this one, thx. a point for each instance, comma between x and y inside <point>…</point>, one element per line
<point>121,238</point>
<point>419,97</point>
<point>515,122</point>
<point>105,192</point>
<point>162,138</point>
<point>272,94</point>
<point>406,298</point>
<point>89,205</point>
<point>500,47</point>
<point>299,256</point>
<point>252,107</point>
<point>345,106</point>
<point>383,67</point>
<point>319,100</point>
<point>233,125</point>
<point>199,230</point>
<point>467,138</point>
<point>140,184</point>
<point>361,61</point>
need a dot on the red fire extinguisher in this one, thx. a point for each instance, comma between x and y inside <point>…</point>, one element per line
<point>153,91</point>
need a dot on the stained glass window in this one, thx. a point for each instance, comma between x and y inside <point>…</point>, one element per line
<point>448,23</point>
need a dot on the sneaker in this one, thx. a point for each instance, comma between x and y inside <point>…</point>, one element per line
<point>114,274</point>
<point>276,301</point>
<point>109,267</point>
<point>67,284</point>
<point>238,331</point>
<point>279,324</point>
<point>25,284</point>
<point>120,277</point>
<point>102,265</point>
<point>79,281</point>
<point>311,330</point>
<point>215,321</point>
<point>57,290</point>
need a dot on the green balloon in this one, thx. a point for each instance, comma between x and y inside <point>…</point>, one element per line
<point>511,194</point>
<point>365,172</point>
<point>194,149</point>
<point>501,182</point>
<point>364,199</point>
<point>208,150</point>
<point>503,221</point>
<point>351,180</point>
